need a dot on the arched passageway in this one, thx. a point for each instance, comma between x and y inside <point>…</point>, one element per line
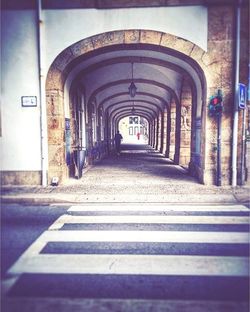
<point>88,95</point>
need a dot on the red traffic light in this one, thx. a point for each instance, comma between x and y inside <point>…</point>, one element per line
<point>216,100</point>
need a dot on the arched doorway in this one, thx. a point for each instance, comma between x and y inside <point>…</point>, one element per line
<point>171,90</point>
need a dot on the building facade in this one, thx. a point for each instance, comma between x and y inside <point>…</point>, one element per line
<point>67,69</point>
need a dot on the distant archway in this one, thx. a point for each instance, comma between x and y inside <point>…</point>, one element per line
<point>134,129</point>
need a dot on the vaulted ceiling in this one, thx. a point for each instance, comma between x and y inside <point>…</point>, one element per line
<point>158,74</point>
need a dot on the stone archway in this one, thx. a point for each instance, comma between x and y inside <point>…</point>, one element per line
<point>63,64</point>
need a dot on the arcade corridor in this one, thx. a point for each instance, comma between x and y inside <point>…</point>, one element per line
<point>139,174</point>
<point>160,91</point>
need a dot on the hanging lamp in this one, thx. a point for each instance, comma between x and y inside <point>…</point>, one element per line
<point>132,88</point>
<point>133,109</point>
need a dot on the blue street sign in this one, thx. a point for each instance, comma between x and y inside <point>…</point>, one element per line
<point>242,96</point>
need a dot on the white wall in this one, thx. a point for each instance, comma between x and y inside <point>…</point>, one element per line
<point>20,141</point>
<point>189,22</point>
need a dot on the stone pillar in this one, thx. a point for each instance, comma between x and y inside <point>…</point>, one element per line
<point>56,140</point>
<point>220,73</point>
<point>154,133</point>
<point>159,136</point>
<point>164,132</point>
<point>185,135</point>
<point>157,133</point>
<point>167,153</point>
<point>172,129</point>
<point>177,134</point>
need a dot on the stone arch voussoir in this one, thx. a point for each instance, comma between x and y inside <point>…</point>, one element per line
<point>58,70</point>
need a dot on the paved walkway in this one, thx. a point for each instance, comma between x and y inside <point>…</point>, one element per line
<point>139,174</point>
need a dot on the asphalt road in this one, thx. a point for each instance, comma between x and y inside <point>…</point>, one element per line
<point>21,225</point>
<point>105,257</point>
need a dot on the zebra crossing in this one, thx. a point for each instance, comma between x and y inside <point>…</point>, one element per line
<point>145,252</point>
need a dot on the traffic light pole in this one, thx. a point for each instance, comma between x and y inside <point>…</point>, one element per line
<point>236,87</point>
<point>218,171</point>
<point>243,149</point>
<point>215,110</point>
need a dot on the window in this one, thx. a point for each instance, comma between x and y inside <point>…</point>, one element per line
<point>102,128</point>
<point>133,120</point>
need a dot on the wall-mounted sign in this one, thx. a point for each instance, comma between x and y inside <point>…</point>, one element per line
<point>242,96</point>
<point>67,141</point>
<point>29,101</point>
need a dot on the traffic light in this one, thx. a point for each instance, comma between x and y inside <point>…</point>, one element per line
<point>215,105</point>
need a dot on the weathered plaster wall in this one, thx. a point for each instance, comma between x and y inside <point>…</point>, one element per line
<point>20,141</point>
<point>80,24</point>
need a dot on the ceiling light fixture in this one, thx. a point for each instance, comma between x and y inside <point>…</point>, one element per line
<point>133,109</point>
<point>132,88</point>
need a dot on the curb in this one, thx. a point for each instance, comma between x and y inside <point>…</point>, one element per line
<point>35,201</point>
<point>80,199</point>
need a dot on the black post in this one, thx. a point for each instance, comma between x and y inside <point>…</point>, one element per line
<point>218,182</point>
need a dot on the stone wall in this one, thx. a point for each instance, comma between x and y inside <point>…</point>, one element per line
<point>185,136</point>
<point>21,177</point>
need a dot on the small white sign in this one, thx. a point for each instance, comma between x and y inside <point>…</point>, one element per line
<point>242,96</point>
<point>29,101</point>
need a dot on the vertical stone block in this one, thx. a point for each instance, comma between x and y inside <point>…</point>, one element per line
<point>55,106</point>
<point>63,59</point>
<point>132,36</point>
<point>109,38</point>
<point>152,37</point>
<point>55,79</point>
<point>168,40</point>
<point>82,47</point>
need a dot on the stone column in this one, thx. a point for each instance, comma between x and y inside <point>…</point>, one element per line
<point>185,135</point>
<point>156,133</point>
<point>56,140</point>
<point>159,137</point>
<point>172,129</point>
<point>164,134</point>
<point>220,66</point>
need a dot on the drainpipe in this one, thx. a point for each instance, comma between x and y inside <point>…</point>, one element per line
<point>43,117</point>
<point>236,86</point>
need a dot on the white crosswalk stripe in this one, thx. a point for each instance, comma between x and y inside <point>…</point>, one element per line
<point>149,219</point>
<point>145,236</point>
<point>33,261</point>
<point>158,207</point>
<point>49,254</point>
<point>134,264</point>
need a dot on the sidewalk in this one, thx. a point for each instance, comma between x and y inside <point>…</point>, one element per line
<point>139,175</point>
<point>49,195</point>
